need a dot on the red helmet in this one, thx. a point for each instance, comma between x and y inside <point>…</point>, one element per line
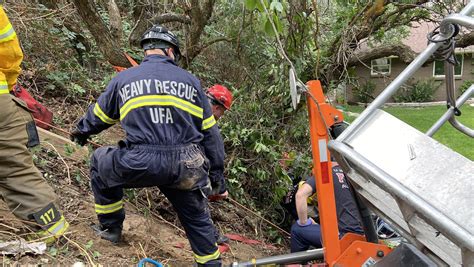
<point>220,94</point>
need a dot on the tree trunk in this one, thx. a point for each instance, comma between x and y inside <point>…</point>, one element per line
<point>107,44</point>
<point>115,19</point>
<point>404,52</point>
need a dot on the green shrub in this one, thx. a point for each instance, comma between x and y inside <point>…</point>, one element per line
<point>465,85</point>
<point>364,93</point>
<point>417,91</point>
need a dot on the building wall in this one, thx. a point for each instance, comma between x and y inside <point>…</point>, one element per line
<point>363,75</point>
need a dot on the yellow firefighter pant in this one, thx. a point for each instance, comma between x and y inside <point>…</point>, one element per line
<point>21,184</point>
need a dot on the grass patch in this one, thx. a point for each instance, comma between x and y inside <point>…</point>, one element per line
<point>423,118</point>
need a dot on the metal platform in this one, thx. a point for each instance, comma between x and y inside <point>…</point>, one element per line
<point>427,172</point>
<point>422,188</point>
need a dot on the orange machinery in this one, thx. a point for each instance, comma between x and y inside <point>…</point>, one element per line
<point>352,249</point>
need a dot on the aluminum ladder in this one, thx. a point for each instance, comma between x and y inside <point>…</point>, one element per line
<point>419,186</point>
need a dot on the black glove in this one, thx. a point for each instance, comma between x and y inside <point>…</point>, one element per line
<point>78,137</point>
<point>218,188</point>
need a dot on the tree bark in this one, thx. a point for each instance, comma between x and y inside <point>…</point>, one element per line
<point>107,44</point>
<point>466,40</point>
<point>143,24</point>
<point>115,19</point>
<point>404,52</point>
<point>200,15</point>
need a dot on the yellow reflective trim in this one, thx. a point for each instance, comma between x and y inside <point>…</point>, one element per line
<point>108,211</point>
<point>208,123</point>
<point>54,232</point>
<point>4,88</point>
<point>102,116</point>
<point>110,208</point>
<point>160,100</point>
<point>204,259</point>
<point>7,33</point>
<point>59,228</point>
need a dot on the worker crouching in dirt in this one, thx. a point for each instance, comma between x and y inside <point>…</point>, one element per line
<point>172,142</point>
<point>23,188</point>
<point>305,232</point>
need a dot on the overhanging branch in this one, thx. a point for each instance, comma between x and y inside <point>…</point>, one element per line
<point>171,17</point>
<point>465,40</point>
<point>404,52</point>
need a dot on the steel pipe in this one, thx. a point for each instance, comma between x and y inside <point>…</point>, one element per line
<point>450,112</point>
<point>462,20</point>
<point>400,80</point>
<point>445,225</point>
<point>313,254</point>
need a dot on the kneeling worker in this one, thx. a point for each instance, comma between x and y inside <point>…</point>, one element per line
<point>305,232</point>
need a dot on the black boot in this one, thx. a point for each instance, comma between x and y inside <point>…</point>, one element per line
<point>112,234</point>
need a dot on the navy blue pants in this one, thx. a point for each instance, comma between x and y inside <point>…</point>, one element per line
<point>302,237</point>
<point>180,172</point>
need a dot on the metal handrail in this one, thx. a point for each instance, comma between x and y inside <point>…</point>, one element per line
<point>426,211</point>
<point>393,87</point>
<point>450,112</point>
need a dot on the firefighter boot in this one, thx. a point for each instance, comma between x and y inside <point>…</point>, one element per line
<point>112,234</point>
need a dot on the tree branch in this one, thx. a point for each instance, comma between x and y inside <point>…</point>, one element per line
<point>217,40</point>
<point>403,51</point>
<point>171,17</point>
<point>107,44</point>
<point>465,40</point>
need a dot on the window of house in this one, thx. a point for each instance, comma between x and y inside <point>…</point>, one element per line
<point>381,66</point>
<point>438,67</point>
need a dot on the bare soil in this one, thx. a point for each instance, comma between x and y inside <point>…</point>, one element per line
<point>151,228</point>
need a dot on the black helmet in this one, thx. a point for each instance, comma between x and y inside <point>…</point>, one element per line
<point>159,37</point>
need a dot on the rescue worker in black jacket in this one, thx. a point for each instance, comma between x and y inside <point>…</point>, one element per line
<point>172,142</point>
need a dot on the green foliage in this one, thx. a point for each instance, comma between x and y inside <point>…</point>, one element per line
<point>417,91</point>
<point>261,125</point>
<point>465,85</point>
<point>364,93</point>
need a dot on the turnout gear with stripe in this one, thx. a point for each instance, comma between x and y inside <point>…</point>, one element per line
<point>10,54</point>
<point>22,186</point>
<point>172,141</point>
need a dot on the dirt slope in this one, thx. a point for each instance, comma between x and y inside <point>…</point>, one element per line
<point>151,228</point>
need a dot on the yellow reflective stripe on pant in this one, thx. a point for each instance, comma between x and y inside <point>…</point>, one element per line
<point>56,230</point>
<point>102,116</point>
<point>160,100</point>
<point>111,208</point>
<point>7,33</point>
<point>4,87</point>
<point>208,123</point>
<point>204,259</point>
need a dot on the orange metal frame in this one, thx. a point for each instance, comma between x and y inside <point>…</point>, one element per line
<point>352,249</point>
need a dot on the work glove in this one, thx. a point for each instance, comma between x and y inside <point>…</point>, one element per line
<point>218,191</point>
<point>78,137</point>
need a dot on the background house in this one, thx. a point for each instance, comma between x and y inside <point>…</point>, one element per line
<point>380,72</point>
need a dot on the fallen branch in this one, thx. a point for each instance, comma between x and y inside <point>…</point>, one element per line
<point>60,157</point>
<point>82,249</point>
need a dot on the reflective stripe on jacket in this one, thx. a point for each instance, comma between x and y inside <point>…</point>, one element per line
<point>10,54</point>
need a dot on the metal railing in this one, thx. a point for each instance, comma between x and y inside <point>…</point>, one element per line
<point>350,159</point>
<point>463,19</point>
